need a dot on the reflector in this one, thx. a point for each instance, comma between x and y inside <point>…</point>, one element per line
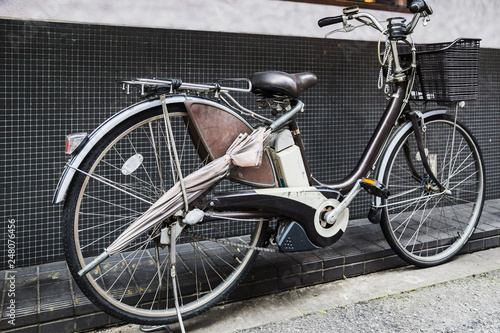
<point>74,141</point>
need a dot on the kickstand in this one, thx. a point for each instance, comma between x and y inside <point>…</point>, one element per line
<point>173,256</point>
<point>160,327</point>
<point>173,261</point>
<point>156,328</point>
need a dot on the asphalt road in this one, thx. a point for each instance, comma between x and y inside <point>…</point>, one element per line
<point>469,304</point>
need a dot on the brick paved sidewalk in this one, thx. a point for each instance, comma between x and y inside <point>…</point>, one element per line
<point>47,299</point>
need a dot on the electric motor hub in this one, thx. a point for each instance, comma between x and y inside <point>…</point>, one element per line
<point>427,186</point>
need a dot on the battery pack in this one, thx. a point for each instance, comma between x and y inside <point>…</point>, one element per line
<point>290,167</point>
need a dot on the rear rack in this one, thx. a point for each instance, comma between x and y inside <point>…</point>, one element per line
<point>149,86</point>
<point>157,87</point>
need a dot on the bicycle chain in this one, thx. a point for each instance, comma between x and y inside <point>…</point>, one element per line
<point>226,242</point>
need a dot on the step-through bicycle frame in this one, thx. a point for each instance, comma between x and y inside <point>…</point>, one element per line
<point>374,147</point>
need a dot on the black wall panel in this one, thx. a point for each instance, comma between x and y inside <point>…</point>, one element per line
<point>59,78</point>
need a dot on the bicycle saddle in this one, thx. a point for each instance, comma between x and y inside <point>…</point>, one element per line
<point>274,82</point>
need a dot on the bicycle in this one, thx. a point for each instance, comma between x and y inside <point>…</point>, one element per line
<point>168,202</point>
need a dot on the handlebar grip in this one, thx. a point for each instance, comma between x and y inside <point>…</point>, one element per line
<point>419,6</point>
<point>330,20</point>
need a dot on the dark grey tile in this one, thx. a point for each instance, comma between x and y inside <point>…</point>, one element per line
<point>114,321</point>
<point>243,291</point>
<point>263,270</point>
<point>354,230</point>
<point>64,325</point>
<point>478,234</point>
<point>289,282</point>
<point>311,278</point>
<point>56,307</point>
<point>373,228</point>
<point>84,306</point>
<point>27,270</point>
<point>374,265</point>
<point>26,311</point>
<point>308,261</point>
<point>55,289</point>
<point>373,251</point>
<point>489,216</point>
<point>351,253</point>
<point>92,321</point>
<point>372,237</point>
<point>330,257</point>
<point>22,329</point>
<point>489,230</point>
<point>51,277</point>
<point>333,274</point>
<point>476,245</point>
<point>26,281</point>
<point>355,241</point>
<point>288,267</point>
<point>355,257</point>
<point>54,266</point>
<point>26,293</point>
<point>264,287</point>
<point>393,261</point>
<point>351,270</point>
<point>491,242</point>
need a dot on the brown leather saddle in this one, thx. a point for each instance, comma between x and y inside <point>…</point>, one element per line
<point>280,83</point>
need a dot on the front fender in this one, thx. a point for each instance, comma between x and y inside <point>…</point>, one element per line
<point>384,160</point>
<point>99,133</point>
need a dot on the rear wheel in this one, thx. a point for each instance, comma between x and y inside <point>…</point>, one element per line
<point>127,171</point>
<point>424,226</point>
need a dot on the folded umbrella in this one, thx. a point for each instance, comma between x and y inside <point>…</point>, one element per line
<point>245,151</point>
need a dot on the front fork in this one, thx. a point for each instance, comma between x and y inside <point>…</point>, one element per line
<point>424,157</point>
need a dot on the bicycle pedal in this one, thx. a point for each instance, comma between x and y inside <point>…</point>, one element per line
<point>374,187</point>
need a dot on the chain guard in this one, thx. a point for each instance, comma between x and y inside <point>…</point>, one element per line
<point>233,244</point>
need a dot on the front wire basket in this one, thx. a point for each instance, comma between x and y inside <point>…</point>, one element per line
<point>447,72</point>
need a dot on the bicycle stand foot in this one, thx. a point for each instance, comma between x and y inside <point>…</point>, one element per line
<point>156,328</point>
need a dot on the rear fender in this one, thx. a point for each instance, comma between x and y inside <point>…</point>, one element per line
<point>98,134</point>
<point>206,115</point>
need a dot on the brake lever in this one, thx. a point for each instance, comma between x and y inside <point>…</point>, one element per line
<point>426,20</point>
<point>346,28</point>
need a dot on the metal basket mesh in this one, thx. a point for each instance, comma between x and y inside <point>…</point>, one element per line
<point>447,72</point>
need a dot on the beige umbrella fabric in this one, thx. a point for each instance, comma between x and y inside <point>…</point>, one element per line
<point>245,151</point>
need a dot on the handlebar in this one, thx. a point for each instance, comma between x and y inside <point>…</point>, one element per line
<point>396,31</point>
<point>418,7</point>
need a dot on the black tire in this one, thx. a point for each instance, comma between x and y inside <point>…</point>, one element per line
<point>126,285</point>
<point>423,226</point>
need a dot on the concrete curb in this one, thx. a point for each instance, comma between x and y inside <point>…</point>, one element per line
<point>296,303</point>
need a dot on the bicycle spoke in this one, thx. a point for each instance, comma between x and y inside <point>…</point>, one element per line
<point>108,182</point>
<point>423,225</point>
<point>154,191</point>
<point>138,279</point>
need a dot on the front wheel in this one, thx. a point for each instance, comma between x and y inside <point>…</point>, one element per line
<point>127,171</point>
<point>423,225</point>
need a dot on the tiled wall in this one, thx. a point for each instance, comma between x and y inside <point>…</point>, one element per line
<point>60,78</point>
